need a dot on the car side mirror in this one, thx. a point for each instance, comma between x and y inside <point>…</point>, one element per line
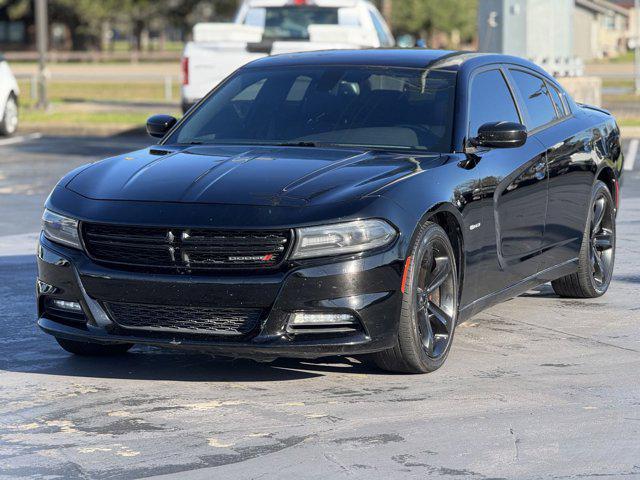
<point>159,125</point>
<point>500,135</point>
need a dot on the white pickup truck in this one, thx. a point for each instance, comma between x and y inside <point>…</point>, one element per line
<point>268,27</point>
<point>8,99</point>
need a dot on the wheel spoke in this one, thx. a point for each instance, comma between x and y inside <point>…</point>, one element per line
<point>439,274</point>
<point>598,215</point>
<point>442,318</point>
<point>599,264</point>
<point>421,299</point>
<point>603,241</point>
<point>428,338</point>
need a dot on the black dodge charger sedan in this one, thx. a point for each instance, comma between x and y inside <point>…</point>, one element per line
<point>335,203</point>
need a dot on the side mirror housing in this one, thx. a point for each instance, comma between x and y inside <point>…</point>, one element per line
<point>500,135</point>
<point>159,125</point>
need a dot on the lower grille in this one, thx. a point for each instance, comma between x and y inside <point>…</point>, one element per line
<point>184,319</point>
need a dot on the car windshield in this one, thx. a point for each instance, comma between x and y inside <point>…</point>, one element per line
<point>290,23</point>
<point>341,106</point>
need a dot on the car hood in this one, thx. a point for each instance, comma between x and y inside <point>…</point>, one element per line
<point>295,176</point>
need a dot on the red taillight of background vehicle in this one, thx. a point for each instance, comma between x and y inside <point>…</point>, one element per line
<point>299,2</point>
<point>185,70</point>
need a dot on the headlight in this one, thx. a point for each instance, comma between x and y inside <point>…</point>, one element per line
<point>342,238</point>
<point>58,228</point>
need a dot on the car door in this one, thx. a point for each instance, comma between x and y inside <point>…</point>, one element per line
<point>571,154</point>
<point>513,188</point>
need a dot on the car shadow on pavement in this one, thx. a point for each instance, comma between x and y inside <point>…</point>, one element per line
<point>149,363</point>
<point>542,291</point>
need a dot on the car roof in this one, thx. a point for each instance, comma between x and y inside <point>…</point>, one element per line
<point>394,57</point>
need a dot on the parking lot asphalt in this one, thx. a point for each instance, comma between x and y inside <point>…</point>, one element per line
<point>538,387</point>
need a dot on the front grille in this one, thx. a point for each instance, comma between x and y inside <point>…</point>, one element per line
<point>184,249</point>
<point>184,319</point>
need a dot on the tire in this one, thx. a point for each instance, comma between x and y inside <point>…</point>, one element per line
<point>9,122</point>
<point>87,349</point>
<point>427,320</point>
<point>597,254</point>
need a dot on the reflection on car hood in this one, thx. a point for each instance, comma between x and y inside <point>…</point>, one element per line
<point>245,175</point>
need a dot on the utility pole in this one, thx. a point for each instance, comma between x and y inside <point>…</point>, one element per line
<point>387,10</point>
<point>42,35</point>
<point>636,34</point>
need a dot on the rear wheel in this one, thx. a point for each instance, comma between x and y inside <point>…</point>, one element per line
<point>429,306</point>
<point>93,349</point>
<point>9,122</point>
<point>597,255</point>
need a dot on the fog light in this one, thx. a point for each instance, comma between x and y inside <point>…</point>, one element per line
<point>65,305</point>
<point>300,319</point>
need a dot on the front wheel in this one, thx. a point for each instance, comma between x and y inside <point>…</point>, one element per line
<point>597,255</point>
<point>9,121</point>
<point>429,306</point>
<point>87,349</point>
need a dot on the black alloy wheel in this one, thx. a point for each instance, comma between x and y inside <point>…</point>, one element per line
<point>429,308</point>
<point>435,299</point>
<point>602,241</point>
<point>597,255</point>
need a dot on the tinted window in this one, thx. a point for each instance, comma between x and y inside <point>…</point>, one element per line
<point>365,106</point>
<point>491,101</point>
<point>290,23</point>
<point>536,97</point>
<point>556,98</point>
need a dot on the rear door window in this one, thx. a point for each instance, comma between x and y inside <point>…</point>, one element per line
<point>491,101</point>
<point>536,97</point>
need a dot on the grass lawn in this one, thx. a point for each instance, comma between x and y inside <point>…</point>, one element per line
<point>62,117</point>
<point>624,58</point>
<point>69,91</point>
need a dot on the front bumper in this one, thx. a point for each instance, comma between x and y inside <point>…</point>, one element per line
<point>368,287</point>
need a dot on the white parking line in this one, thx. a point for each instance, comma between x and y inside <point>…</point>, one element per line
<point>20,139</point>
<point>632,153</point>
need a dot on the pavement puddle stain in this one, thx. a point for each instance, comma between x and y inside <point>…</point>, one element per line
<point>125,452</point>
<point>24,426</point>
<point>119,413</point>
<point>94,449</point>
<point>65,426</point>
<point>214,442</point>
<point>316,415</point>
<point>204,406</point>
<point>117,449</point>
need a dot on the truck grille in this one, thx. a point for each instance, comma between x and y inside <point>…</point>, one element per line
<point>184,319</point>
<point>184,249</point>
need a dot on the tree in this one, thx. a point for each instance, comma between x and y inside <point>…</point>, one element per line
<point>427,18</point>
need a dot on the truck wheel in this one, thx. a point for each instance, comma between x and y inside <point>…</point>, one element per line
<point>9,122</point>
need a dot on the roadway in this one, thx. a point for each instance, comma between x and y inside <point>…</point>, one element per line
<point>538,387</point>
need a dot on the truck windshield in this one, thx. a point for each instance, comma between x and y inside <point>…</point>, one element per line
<point>395,108</point>
<point>290,23</point>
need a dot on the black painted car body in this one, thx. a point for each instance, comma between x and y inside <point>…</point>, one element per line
<point>515,217</point>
